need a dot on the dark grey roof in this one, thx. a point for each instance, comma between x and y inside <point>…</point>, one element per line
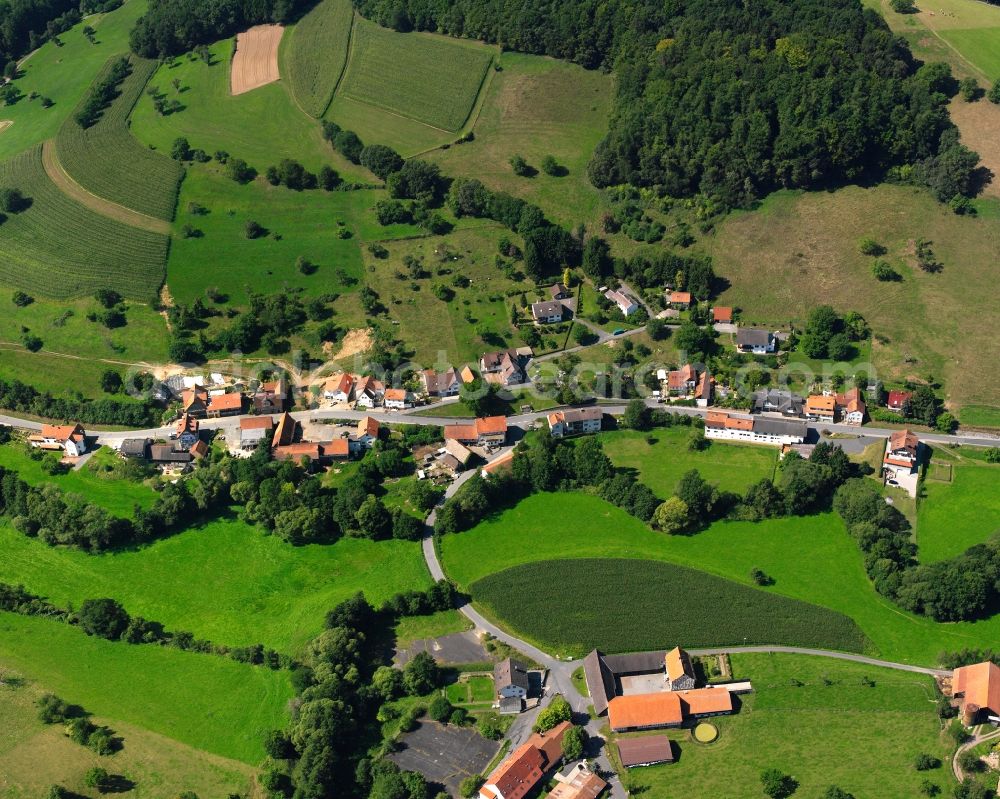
<point>777,400</point>
<point>164,453</point>
<point>753,337</point>
<point>547,308</point>
<point>510,672</point>
<point>600,681</point>
<point>135,447</point>
<point>636,662</point>
<point>779,427</point>
<point>574,415</point>
<point>645,751</point>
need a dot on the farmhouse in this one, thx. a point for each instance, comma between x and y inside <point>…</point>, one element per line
<point>722,314</point>
<point>518,775</point>
<point>488,430</point>
<point>440,384</point>
<point>170,459</point>
<point>194,401</point>
<point>225,405</point>
<point>755,341</point>
<point>897,400</point>
<point>70,438</point>
<point>646,751</point>
<point>505,368</point>
<point>186,432</point>
<point>777,401</point>
<point>368,430</point>
<point>368,392</point>
<point>681,300</point>
<point>339,388</point>
<point>397,399</point>
<point>575,421</point>
<point>253,430</point>
<point>754,429</point>
<point>510,679</point>
<point>578,783</point>
<point>977,688</point>
<point>270,397</point>
<point>625,303</point>
<point>547,312</point>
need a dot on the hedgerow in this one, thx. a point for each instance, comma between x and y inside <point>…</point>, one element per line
<point>630,605</point>
<point>107,160</point>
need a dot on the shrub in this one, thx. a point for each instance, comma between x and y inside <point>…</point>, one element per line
<point>882,271</point>
<point>551,167</point>
<point>558,711</point>
<point>253,229</point>
<point>903,6</point>
<point>98,778</point>
<point>440,708</point>
<point>52,709</point>
<point>180,150</point>
<point>12,201</point>
<point>776,784</point>
<point>239,170</point>
<point>993,95</point>
<point>521,167</point>
<point>969,89</point>
<point>105,618</point>
<point>868,246</point>
<point>20,299</point>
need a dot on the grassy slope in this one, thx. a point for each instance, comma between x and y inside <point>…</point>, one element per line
<point>63,377</point>
<point>957,515</point>
<point>810,558</point>
<point>205,701</point>
<point>118,496</point>
<point>34,756</point>
<point>63,74</point>
<point>314,54</point>
<point>271,592</point>
<point>861,738</point>
<point>661,465</point>
<point>536,107</point>
<point>809,244</point>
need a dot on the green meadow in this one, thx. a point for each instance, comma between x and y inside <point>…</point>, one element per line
<point>205,701</point>
<point>810,558</point>
<point>224,581</point>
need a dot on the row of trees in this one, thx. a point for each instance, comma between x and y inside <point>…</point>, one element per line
<point>20,397</point>
<point>102,93</point>
<point>693,273</point>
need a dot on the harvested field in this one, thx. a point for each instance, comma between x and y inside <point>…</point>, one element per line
<point>979,124</point>
<point>255,62</point>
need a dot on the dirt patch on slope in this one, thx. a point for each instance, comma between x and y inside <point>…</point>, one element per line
<point>5,123</point>
<point>979,124</point>
<point>255,62</point>
<point>356,342</point>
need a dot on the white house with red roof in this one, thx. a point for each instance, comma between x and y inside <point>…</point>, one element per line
<point>70,438</point>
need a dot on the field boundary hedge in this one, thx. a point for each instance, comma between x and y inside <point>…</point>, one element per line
<point>107,161</point>
<point>575,605</point>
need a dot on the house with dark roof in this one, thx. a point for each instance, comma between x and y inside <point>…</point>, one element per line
<point>559,291</point>
<point>756,341</point>
<point>271,396</point>
<point>575,421</point>
<point>440,384</point>
<point>506,367</point>
<point>510,679</point>
<point>772,400</point>
<point>547,312</point>
<point>135,448</point>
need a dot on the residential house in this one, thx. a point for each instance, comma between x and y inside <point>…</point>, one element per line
<point>339,449</point>
<point>510,679</point>
<point>225,405</point>
<point>667,708</point>
<point>559,292</point>
<point>368,392</point>
<point>368,430</point>
<point>70,438</point>
<point>135,448</point>
<point>194,401</point>
<point>703,391</point>
<point>722,314</point>
<point>778,401</point>
<point>575,421</point>
<point>199,449</point>
<point>851,407</point>
<point>440,384</point>
<point>271,397</point>
<point>339,388</point>
<point>821,408</point>
<point>688,381</point>
<point>397,399</point>
<point>253,430</point>
<point>186,432</point>
<point>169,458</point>
<point>649,750</point>
<point>678,670</point>
<point>897,400</point>
<point>460,453</point>
<point>756,341</point>
<point>625,304</point>
<point>578,783</point>
<point>899,464</point>
<point>484,431</point>
<point>977,688</point>
<point>754,429</point>
<point>681,300</point>
<point>548,312</point>
<point>505,368</point>
<point>466,375</point>
<point>526,766</point>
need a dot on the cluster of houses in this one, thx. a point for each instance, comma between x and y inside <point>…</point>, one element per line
<point>527,766</point>
<point>846,408</point>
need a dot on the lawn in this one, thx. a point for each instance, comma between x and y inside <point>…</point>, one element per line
<point>955,515</point>
<point>431,79</point>
<point>813,719</point>
<point>61,249</point>
<point>924,324</point>
<point>224,581</point>
<point>536,107</point>
<point>314,53</point>
<point>34,756</point>
<point>570,607</point>
<point>810,558</point>
<point>61,376</point>
<point>63,74</point>
<point>444,622</point>
<point>118,496</point>
<point>660,465</point>
<point>205,701</point>
<point>471,691</point>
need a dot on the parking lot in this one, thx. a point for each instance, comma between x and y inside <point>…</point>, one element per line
<point>444,753</point>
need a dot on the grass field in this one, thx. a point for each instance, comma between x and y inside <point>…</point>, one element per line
<point>208,702</point>
<point>444,622</point>
<point>955,515</point>
<point>117,496</point>
<point>63,74</point>
<point>314,57</point>
<point>61,249</point>
<point>108,161</point>
<point>432,79</point>
<point>224,581</point>
<point>810,558</point>
<point>572,606</point>
<point>61,376</point>
<point>811,718</point>
<point>930,323</point>
<point>536,107</point>
<point>34,756</point>
<point>661,465</point>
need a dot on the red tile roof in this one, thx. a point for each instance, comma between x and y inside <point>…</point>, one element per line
<point>722,313</point>
<point>491,425</point>
<point>368,426</point>
<point>979,684</point>
<point>678,664</point>
<point>256,423</point>
<point>187,424</point>
<point>296,451</point>
<point>680,297</point>
<point>338,448</point>
<point>666,708</point>
<point>897,399</point>
<point>60,432</point>
<point>199,449</point>
<point>225,402</point>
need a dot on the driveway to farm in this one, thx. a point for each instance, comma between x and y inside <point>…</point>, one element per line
<point>974,741</point>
